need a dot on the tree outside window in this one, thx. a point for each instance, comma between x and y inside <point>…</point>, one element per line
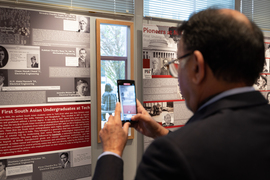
<point>113,50</point>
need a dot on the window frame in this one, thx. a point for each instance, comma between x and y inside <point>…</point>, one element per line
<point>117,58</point>
<point>129,63</point>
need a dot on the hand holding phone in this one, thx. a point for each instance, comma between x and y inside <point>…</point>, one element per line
<point>127,98</point>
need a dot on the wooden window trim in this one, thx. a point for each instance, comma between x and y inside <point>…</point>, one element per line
<point>130,63</point>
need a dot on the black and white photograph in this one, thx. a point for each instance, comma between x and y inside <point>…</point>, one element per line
<point>167,120</point>
<point>15,26</point>
<point>3,57</point>
<point>83,55</point>
<point>33,61</point>
<point>3,165</point>
<point>64,160</point>
<point>162,112</point>
<point>83,24</point>
<point>261,83</point>
<point>82,86</point>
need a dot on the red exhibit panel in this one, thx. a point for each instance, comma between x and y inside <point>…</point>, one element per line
<point>146,63</point>
<point>25,130</point>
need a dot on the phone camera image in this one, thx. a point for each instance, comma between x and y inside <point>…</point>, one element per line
<point>127,97</point>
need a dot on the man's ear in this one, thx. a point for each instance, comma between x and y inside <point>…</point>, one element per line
<point>198,67</point>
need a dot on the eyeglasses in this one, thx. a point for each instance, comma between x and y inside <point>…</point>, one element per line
<point>173,65</point>
<point>178,59</point>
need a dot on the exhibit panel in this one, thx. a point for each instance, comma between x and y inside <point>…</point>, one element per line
<point>263,82</point>
<point>161,94</point>
<point>45,119</point>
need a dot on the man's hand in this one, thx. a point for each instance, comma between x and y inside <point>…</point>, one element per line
<point>113,135</point>
<point>146,124</point>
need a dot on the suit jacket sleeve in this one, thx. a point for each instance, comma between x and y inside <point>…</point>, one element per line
<point>163,160</point>
<point>109,167</point>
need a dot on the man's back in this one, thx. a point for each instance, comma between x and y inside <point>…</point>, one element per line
<point>228,139</point>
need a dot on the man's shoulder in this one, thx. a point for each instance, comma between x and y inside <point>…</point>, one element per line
<point>236,102</point>
<point>225,122</point>
<point>227,129</point>
<point>229,112</point>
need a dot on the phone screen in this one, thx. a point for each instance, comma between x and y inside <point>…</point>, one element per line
<point>127,97</point>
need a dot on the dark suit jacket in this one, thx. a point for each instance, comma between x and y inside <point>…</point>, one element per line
<point>34,65</point>
<point>109,167</point>
<point>229,139</point>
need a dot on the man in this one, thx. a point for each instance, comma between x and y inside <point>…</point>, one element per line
<point>3,164</point>
<point>82,58</point>
<point>34,63</point>
<point>64,160</point>
<point>167,121</point>
<point>82,87</point>
<point>164,69</point>
<point>83,24</point>
<point>155,68</point>
<point>228,135</point>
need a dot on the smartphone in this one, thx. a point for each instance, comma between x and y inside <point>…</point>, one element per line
<point>127,98</point>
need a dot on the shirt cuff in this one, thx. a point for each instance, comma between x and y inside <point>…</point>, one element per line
<point>108,153</point>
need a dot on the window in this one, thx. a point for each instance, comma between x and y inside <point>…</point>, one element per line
<point>181,9</point>
<point>257,11</point>
<point>113,51</point>
<point>122,7</point>
<point>114,61</point>
<point>113,55</point>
